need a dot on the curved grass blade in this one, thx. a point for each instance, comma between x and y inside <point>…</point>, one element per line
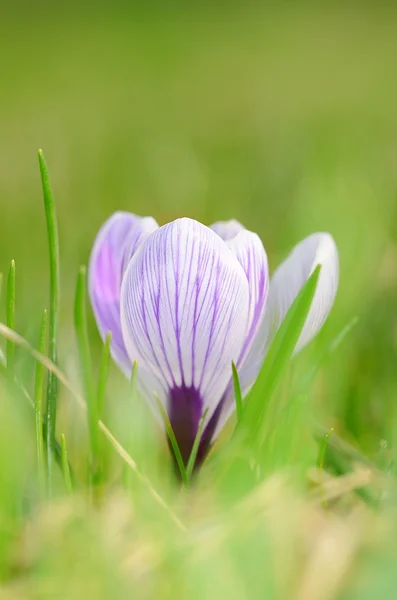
<point>173,440</point>
<point>193,455</point>
<point>10,317</point>
<point>277,359</point>
<point>80,319</point>
<point>9,334</point>
<point>127,480</point>
<point>38,403</point>
<point>237,392</point>
<point>53,243</point>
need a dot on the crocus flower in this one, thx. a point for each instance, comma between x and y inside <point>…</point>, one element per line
<point>185,300</point>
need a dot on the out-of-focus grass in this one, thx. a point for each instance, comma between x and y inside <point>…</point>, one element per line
<point>284,119</point>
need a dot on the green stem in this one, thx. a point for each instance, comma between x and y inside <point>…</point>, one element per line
<point>196,444</point>
<point>80,317</point>
<point>127,475</point>
<point>53,242</point>
<point>10,317</point>
<point>237,392</point>
<point>38,403</point>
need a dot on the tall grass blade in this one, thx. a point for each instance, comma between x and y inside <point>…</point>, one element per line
<point>38,403</point>
<point>53,321</point>
<point>277,359</point>
<point>193,455</point>
<point>173,440</point>
<point>237,392</point>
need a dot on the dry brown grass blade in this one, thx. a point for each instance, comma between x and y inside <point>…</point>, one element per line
<point>335,487</point>
<point>11,335</point>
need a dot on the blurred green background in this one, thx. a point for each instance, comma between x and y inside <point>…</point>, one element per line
<point>282,117</point>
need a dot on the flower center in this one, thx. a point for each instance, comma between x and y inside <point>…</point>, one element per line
<point>185,411</point>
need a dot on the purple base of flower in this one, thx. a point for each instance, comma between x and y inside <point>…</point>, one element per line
<point>186,406</point>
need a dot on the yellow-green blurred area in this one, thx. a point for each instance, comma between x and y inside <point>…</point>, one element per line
<point>284,118</point>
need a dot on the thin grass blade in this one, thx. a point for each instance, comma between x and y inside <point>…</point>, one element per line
<point>193,455</point>
<point>237,392</point>
<point>277,359</point>
<point>172,438</point>
<point>38,403</point>
<point>53,321</point>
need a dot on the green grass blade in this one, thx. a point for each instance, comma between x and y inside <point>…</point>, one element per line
<point>173,440</point>
<point>103,374</point>
<point>53,242</point>
<point>80,317</point>
<point>38,402</point>
<point>237,392</point>
<point>277,358</point>
<point>193,455</point>
<point>65,466</point>
<point>134,380</point>
<point>10,318</point>
<point>127,475</point>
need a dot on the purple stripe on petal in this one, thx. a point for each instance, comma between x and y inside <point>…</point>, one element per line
<point>251,254</point>
<point>184,307</point>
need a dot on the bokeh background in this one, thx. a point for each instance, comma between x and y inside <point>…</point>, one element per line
<point>282,116</point>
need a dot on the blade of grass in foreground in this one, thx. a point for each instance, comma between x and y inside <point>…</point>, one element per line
<point>9,334</point>
<point>91,398</point>
<point>277,359</point>
<point>53,243</point>
<point>237,392</point>
<point>193,455</point>
<point>173,440</point>
<point>127,479</point>
<point>10,317</point>
<point>38,403</point>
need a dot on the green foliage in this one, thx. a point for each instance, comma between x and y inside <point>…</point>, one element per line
<point>284,120</point>
<point>53,321</point>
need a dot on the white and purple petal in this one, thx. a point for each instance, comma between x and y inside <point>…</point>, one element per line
<point>227,229</point>
<point>289,278</point>
<point>285,285</point>
<point>116,242</point>
<point>250,253</point>
<point>184,308</point>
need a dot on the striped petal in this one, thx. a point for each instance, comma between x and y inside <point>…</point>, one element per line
<point>184,307</point>
<point>249,251</point>
<point>117,241</point>
<point>288,279</point>
<point>227,229</point>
